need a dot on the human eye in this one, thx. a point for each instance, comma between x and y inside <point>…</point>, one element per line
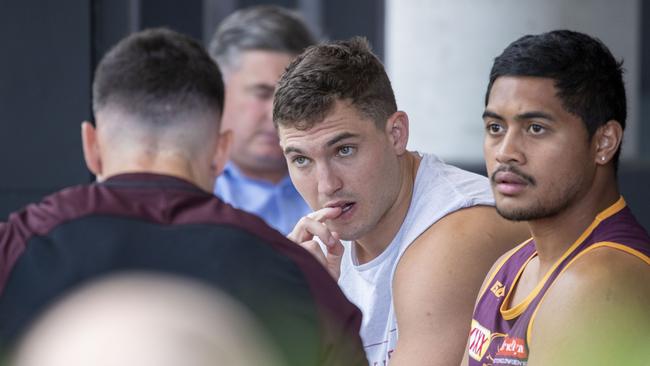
<point>346,150</point>
<point>536,129</point>
<point>494,128</point>
<point>262,92</point>
<point>300,161</point>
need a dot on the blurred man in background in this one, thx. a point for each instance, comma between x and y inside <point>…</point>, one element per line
<point>253,46</point>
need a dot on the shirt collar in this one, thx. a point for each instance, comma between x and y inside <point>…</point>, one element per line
<point>233,172</point>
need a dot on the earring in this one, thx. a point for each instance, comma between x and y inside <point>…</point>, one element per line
<point>602,158</point>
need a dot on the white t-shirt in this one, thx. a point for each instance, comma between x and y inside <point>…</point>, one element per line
<point>439,189</point>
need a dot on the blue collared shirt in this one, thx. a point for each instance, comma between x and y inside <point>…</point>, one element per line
<point>280,205</point>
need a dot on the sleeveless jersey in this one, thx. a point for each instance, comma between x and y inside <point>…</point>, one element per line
<point>498,335</point>
<point>439,189</point>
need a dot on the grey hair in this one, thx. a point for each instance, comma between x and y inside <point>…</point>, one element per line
<point>266,27</point>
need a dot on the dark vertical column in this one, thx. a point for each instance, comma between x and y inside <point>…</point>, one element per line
<point>644,115</point>
<point>111,21</point>
<point>344,19</point>
<point>183,16</point>
<point>214,11</point>
<point>45,70</point>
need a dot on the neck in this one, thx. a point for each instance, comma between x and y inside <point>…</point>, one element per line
<point>554,235</point>
<point>272,175</point>
<point>375,242</point>
<point>172,165</point>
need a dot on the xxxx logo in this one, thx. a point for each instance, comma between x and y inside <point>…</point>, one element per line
<point>479,340</point>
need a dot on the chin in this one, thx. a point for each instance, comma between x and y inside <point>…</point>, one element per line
<point>347,232</point>
<point>528,213</point>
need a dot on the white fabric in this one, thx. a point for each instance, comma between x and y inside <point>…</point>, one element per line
<point>439,190</point>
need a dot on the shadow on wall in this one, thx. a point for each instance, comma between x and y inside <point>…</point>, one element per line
<point>633,178</point>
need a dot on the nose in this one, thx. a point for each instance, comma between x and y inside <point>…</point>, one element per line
<point>509,148</point>
<point>328,181</point>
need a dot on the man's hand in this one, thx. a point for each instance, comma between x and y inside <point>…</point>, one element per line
<point>314,225</point>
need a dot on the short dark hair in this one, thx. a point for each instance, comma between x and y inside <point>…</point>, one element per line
<point>323,74</point>
<point>588,79</point>
<point>157,74</point>
<point>263,27</point>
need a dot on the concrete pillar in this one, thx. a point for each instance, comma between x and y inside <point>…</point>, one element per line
<point>439,54</point>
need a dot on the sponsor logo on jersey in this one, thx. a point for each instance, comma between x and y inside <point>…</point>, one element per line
<point>498,289</point>
<point>513,348</point>
<point>479,340</point>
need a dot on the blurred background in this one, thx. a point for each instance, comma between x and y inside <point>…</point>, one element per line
<point>438,54</point>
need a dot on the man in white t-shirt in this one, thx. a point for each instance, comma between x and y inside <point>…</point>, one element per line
<point>418,234</point>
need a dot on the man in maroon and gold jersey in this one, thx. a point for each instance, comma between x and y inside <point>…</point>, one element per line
<point>578,292</point>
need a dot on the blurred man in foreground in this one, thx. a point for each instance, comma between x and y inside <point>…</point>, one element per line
<point>146,319</point>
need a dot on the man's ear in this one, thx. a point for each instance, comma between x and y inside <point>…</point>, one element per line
<point>222,152</point>
<point>397,130</point>
<point>607,139</point>
<point>91,148</point>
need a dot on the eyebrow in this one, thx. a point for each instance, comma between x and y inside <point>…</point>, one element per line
<point>519,117</point>
<point>260,86</point>
<point>491,114</point>
<point>333,141</point>
<point>339,137</point>
<point>291,149</point>
<point>535,115</point>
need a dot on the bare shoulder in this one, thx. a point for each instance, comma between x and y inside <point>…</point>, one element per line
<point>599,275</point>
<point>478,229</point>
<point>437,280</point>
<point>595,312</point>
<point>464,243</point>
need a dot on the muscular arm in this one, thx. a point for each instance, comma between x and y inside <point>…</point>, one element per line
<point>486,280</point>
<point>596,313</point>
<point>437,280</point>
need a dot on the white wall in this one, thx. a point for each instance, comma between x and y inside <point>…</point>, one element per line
<point>439,54</point>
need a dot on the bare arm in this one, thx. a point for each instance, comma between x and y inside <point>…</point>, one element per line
<point>437,280</point>
<point>486,280</point>
<point>595,314</point>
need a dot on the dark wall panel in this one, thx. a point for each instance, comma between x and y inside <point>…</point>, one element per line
<point>344,19</point>
<point>44,95</point>
<point>183,16</point>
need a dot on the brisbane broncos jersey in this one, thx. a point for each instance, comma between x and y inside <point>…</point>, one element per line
<point>500,332</point>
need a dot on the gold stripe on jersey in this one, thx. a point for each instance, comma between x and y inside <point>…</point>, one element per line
<point>496,270</point>
<point>604,244</point>
<point>515,311</point>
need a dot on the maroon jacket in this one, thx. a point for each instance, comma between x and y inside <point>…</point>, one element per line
<point>161,223</point>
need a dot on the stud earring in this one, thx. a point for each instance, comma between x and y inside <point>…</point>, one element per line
<point>602,158</point>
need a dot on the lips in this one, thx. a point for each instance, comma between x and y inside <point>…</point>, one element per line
<point>509,183</point>
<point>345,206</point>
<point>509,178</point>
